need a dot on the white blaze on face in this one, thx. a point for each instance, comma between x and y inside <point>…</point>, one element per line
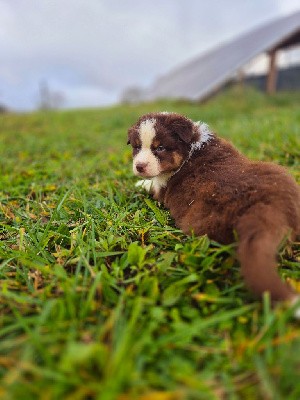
<point>145,155</point>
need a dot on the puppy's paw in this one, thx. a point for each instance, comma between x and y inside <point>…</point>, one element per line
<point>145,184</point>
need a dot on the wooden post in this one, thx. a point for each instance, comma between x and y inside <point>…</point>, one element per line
<point>241,77</point>
<point>272,74</point>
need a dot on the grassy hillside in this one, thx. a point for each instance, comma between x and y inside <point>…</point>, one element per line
<point>101,297</point>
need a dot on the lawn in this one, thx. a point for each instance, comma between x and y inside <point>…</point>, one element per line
<point>102,297</point>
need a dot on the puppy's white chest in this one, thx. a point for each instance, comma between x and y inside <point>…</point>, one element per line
<point>155,184</point>
<point>160,182</point>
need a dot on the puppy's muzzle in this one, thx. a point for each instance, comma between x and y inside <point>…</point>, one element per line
<point>141,167</point>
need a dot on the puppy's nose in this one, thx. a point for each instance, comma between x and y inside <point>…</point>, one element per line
<point>141,167</point>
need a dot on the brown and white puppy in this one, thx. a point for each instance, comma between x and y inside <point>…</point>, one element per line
<point>210,188</point>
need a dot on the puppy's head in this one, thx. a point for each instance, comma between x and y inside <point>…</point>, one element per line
<point>161,142</point>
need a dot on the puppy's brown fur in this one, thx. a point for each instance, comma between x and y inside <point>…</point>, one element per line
<point>217,191</point>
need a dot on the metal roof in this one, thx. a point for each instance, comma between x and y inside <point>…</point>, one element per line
<point>200,77</point>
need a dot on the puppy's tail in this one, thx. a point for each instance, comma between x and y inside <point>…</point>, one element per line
<point>260,232</point>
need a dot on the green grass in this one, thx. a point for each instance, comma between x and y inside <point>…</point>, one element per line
<point>102,297</point>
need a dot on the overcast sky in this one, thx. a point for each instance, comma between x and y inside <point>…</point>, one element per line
<point>91,50</point>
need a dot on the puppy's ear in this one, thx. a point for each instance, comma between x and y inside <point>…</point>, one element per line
<point>130,132</point>
<point>182,127</point>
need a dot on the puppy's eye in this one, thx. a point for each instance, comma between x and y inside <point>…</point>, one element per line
<point>160,149</point>
<point>137,147</point>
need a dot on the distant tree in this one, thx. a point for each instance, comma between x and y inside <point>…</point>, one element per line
<point>3,109</point>
<point>132,95</point>
<point>48,99</point>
